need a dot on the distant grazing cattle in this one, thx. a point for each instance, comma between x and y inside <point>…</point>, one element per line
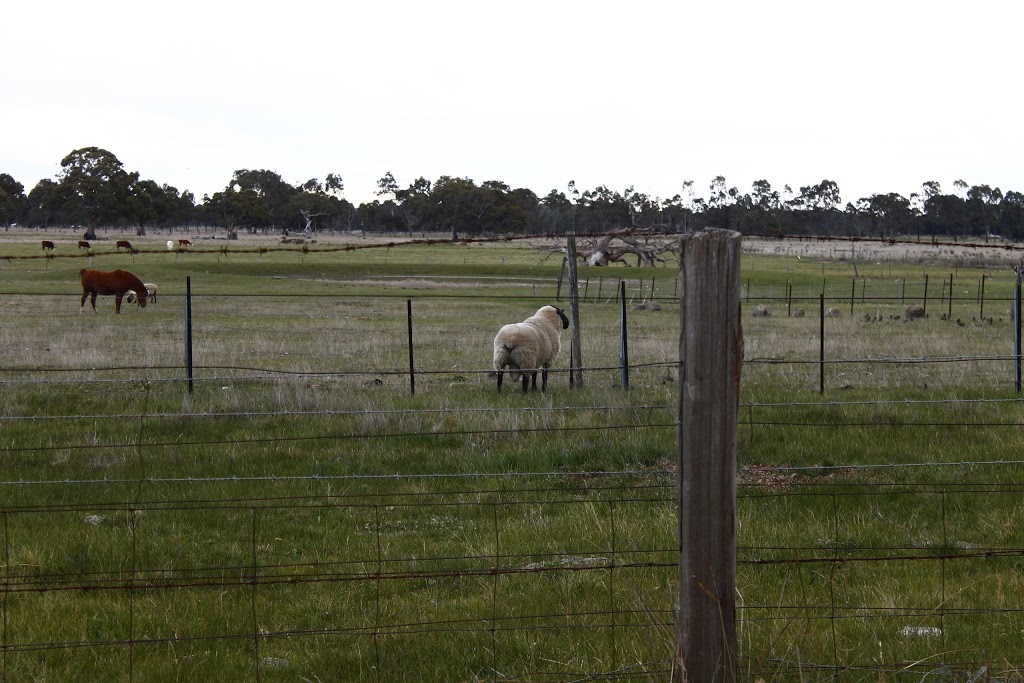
<point>48,245</point>
<point>762,311</point>
<point>184,243</point>
<point>82,244</point>
<point>124,244</point>
<point>832,313</point>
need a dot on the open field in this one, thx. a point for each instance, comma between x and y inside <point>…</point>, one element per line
<point>302,515</point>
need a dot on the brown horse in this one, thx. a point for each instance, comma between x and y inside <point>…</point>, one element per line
<point>116,282</point>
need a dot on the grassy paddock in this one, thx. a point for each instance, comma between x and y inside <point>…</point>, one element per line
<point>302,516</point>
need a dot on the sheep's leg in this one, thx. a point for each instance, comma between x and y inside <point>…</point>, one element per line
<point>526,382</point>
<point>544,379</point>
<point>501,373</point>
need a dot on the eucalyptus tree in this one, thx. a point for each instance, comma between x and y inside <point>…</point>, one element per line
<point>277,196</point>
<point>13,202</point>
<point>43,204</point>
<point>556,212</point>
<point>93,185</point>
<point>1011,215</point>
<point>323,200</point>
<point>983,209</point>
<point>236,209</point>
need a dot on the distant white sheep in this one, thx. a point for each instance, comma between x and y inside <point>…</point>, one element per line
<point>150,293</point>
<point>533,344</point>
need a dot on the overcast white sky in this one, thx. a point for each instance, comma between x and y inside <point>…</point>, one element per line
<point>877,96</point>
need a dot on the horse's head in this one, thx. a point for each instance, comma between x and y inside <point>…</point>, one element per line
<point>140,296</point>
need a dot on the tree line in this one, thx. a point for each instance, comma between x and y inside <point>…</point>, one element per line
<point>93,189</point>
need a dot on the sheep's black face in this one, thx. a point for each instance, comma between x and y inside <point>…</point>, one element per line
<point>561,314</point>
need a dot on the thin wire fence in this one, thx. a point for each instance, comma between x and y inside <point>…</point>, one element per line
<point>352,518</point>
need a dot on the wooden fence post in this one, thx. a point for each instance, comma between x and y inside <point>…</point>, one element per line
<point>821,344</point>
<point>710,361</point>
<point>561,274</point>
<point>949,313</point>
<point>412,364</point>
<point>623,341</point>
<point>576,356</point>
<point>188,332</point>
<point>1016,332</point>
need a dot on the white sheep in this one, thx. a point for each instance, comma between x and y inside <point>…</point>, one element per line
<point>150,293</point>
<point>530,345</point>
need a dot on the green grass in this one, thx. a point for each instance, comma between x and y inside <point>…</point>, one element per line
<point>301,516</point>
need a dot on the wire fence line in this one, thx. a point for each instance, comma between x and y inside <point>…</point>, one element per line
<point>277,532</point>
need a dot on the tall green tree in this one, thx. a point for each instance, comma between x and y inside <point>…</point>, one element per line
<point>237,209</point>
<point>278,197</point>
<point>43,203</point>
<point>94,185</point>
<point>13,202</point>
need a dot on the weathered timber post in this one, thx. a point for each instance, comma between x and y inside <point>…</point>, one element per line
<point>821,344</point>
<point>188,333</point>
<point>623,341</point>
<point>1016,332</point>
<point>710,361</point>
<point>924,304</point>
<point>412,363</point>
<point>576,357</point>
<point>981,298</point>
<point>949,312</point>
<point>561,274</point>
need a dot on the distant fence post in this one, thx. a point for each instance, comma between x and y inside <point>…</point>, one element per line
<point>949,311</point>
<point>924,304</point>
<point>188,332</point>
<point>821,344</point>
<point>412,365</point>
<point>561,274</point>
<point>623,342</point>
<point>576,356</point>
<point>1016,331</point>
<point>710,361</point>
<point>981,298</point>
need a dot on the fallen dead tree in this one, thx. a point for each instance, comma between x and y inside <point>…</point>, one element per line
<point>616,246</point>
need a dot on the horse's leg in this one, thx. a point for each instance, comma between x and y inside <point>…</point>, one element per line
<point>94,303</point>
<point>117,303</point>
<point>85,295</point>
